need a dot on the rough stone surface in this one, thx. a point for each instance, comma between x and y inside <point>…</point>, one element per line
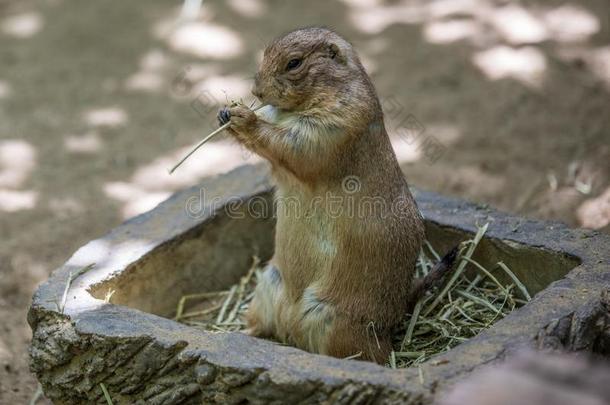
<point>145,358</point>
<point>585,329</point>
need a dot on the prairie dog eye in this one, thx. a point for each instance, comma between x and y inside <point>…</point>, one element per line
<point>293,64</point>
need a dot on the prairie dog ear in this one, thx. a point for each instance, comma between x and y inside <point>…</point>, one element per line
<point>335,52</point>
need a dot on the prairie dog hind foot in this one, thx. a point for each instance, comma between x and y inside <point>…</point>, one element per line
<point>265,304</point>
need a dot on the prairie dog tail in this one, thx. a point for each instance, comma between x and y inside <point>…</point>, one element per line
<point>434,278</point>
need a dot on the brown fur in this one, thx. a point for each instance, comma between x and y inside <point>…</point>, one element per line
<point>337,284</point>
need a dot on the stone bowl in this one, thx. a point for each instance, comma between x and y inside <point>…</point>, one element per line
<point>203,238</point>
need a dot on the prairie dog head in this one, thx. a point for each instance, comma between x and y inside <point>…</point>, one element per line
<point>307,68</point>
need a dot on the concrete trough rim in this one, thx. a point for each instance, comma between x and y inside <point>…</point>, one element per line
<point>90,318</point>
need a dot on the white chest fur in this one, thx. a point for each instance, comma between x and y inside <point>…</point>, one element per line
<point>304,132</point>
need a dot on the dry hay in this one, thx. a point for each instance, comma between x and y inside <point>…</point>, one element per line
<point>469,302</point>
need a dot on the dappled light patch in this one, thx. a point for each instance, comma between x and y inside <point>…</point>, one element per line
<point>189,84</point>
<point>490,25</point>
<point>223,89</point>
<point>145,81</point>
<point>206,40</point>
<point>214,158</point>
<point>248,8</point>
<point>374,19</point>
<point>135,199</point>
<point>23,25</point>
<point>17,200</point>
<point>154,60</point>
<point>151,184</point>
<point>444,20</point>
<point>5,89</point>
<point>362,3</point>
<point>426,144</point>
<point>452,8</point>
<point>86,143</point>
<point>518,25</point>
<point>108,255</point>
<point>149,77</point>
<point>17,160</point>
<point>527,64</point>
<point>106,117</point>
<point>373,16</point>
<point>94,263</point>
<point>190,9</point>
<point>405,152</point>
<point>445,32</point>
<point>571,23</point>
<point>186,78</point>
<point>201,71</point>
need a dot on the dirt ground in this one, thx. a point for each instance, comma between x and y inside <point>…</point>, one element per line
<point>503,103</point>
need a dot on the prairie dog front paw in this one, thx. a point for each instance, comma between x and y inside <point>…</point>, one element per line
<point>242,119</point>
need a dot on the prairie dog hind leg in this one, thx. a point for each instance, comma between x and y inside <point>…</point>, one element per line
<point>263,313</point>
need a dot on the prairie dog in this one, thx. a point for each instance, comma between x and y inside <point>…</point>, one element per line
<point>348,230</point>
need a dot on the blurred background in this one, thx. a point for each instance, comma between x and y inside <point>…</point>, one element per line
<point>505,103</point>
